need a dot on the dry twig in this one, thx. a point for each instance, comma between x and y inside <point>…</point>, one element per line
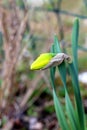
<point>13,29</point>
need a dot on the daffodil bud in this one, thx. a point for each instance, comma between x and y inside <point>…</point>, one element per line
<point>48,60</point>
<point>42,61</point>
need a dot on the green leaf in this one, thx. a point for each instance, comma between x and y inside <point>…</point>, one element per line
<point>78,99</point>
<point>75,34</point>
<point>73,67</point>
<point>58,107</point>
<point>52,70</point>
<point>54,49</point>
<point>52,75</point>
<point>57,48</point>
<point>62,68</point>
<point>59,112</point>
<point>70,109</point>
<point>71,113</point>
<point>62,71</point>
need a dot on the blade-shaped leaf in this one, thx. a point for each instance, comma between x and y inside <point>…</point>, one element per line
<point>60,113</point>
<point>75,34</point>
<point>62,68</point>
<point>52,75</point>
<point>52,70</point>
<point>58,107</point>
<point>57,48</point>
<point>71,113</point>
<point>78,99</point>
<point>62,71</point>
<point>70,109</point>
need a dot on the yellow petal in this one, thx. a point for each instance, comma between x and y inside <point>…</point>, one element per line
<point>42,61</point>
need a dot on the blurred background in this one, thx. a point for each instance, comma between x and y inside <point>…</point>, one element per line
<point>27,29</point>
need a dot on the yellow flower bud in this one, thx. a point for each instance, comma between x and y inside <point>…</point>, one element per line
<point>42,61</point>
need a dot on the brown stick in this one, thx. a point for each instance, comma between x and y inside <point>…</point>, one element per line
<point>13,30</point>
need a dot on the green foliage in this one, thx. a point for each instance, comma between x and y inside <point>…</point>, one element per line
<point>78,99</point>
<point>75,34</point>
<point>59,112</point>
<point>75,114</point>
